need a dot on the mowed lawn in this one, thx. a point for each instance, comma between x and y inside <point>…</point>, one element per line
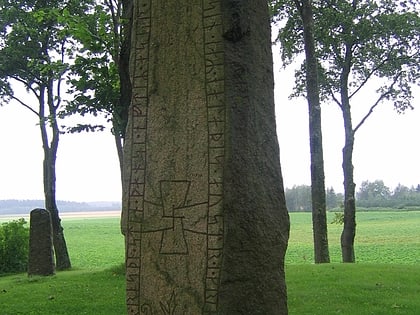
<point>385,280</point>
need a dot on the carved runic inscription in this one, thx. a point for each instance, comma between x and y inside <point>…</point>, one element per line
<point>176,140</point>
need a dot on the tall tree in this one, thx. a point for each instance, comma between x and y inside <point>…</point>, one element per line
<point>35,49</point>
<point>207,226</point>
<point>359,42</point>
<point>319,208</point>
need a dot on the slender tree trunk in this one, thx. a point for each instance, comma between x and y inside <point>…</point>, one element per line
<point>349,229</point>
<point>119,144</point>
<point>125,86</point>
<point>123,61</point>
<point>124,64</point>
<point>62,258</point>
<point>319,211</point>
<point>49,173</point>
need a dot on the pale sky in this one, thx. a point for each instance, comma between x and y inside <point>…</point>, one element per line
<point>386,148</point>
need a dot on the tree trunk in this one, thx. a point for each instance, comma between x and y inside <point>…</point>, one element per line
<point>119,145</point>
<point>125,86</point>
<point>349,229</point>
<point>124,65</point>
<point>207,226</point>
<point>62,258</point>
<point>319,210</point>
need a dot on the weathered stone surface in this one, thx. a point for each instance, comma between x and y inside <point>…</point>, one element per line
<point>41,255</point>
<point>204,213</point>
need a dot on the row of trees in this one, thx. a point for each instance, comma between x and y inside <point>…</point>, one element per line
<point>356,43</point>
<point>299,198</point>
<point>377,194</point>
<point>370,195</point>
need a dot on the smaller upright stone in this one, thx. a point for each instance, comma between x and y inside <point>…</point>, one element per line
<point>41,254</point>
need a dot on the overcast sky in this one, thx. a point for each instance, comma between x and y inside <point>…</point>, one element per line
<point>386,148</point>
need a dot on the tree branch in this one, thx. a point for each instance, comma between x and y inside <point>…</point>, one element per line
<point>25,83</point>
<point>25,105</point>
<point>378,101</point>
<point>372,72</point>
<point>335,99</point>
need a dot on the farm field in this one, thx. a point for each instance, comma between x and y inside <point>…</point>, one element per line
<point>386,279</point>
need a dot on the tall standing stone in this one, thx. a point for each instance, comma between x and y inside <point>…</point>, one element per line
<point>41,254</point>
<point>204,212</point>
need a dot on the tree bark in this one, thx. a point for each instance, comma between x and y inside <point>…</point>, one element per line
<point>124,64</point>
<point>207,225</point>
<point>125,87</point>
<point>349,229</point>
<point>319,210</point>
<point>122,20</point>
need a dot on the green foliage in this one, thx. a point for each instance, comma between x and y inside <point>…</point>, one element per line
<point>38,45</point>
<point>95,74</point>
<point>338,218</point>
<point>357,42</point>
<point>14,246</point>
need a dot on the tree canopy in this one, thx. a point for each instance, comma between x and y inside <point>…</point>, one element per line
<point>358,40</point>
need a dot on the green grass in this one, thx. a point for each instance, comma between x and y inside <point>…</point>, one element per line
<point>348,289</point>
<point>94,243</point>
<point>68,292</point>
<point>381,237</point>
<point>386,279</point>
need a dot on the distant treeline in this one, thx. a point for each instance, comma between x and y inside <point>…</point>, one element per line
<point>370,195</point>
<point>13,206</point>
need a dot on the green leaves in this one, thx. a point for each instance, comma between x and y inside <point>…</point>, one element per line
<point>373,39</point>
<point>14,246</point>
<point>44,44</point>
<point>95,76</point>
<point>33,44</point>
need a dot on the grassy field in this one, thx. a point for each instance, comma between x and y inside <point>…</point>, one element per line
<point>386,279</point>
<point>381,237</point>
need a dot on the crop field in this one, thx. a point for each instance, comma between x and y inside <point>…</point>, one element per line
<point>385,279</point>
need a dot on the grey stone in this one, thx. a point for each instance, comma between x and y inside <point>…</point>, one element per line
<point>204,213</point>
<point>41,254</point>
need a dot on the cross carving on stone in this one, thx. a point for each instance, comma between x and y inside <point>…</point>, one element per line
<point>175,216</point>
